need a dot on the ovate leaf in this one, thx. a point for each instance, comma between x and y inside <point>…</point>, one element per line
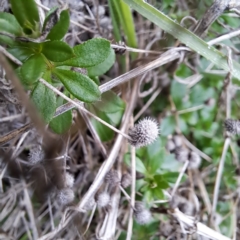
<point>110,108</point>
<point>61,27</point>
<point>61,123</point>
<point>79,85</point>
<point>9,24</point>
<point>33,69</point>
<point>90,53</point>
<point>103,67</point>
<point>21,53</point>
<point>26,13</point>
<point>57,51</point>
<point>45,101</point>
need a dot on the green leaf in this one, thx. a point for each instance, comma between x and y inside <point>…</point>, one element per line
<point>61,27</point>
<point>178,92</point>
<point>45,101</point>
<point>26,13</point>
<point>9,24</point>
<point>57,51</point>
<point>63,122</point>
<point>79,85</point>
<point>104,132</point>
<point>110,103</point>
<point>33,69</point>
<point>158,193</point>
<point>103,67</point>
<point>139,164</point>
<point>184,35</point>
<point>21,53</point>
<point>110,109</point>
<point>167,126</point>
<point>155,154</point>
<point>90,53</point>
<point>161,182</point>
<point>170,176</point>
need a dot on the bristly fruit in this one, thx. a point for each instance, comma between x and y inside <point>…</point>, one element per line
<point>145,132</point>
<point>232,126</point>
<point>142,215</point>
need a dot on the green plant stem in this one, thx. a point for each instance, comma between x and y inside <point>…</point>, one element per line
<point>184,35</point>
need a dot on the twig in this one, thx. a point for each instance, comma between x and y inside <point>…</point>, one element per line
<point>94,133</point>
<point>133,191</point>
<point>29,209</point>
<point>219,177</point>
<point>180,177</point>
<point>192,109</point>
<point>200,228</point>
<point>148,103</point>
<point>193,148</point>
<point>224,37</point>
<point>166,57</point>
<point>10,56</point>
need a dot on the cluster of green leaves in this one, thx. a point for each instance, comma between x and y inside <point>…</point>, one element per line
<point>159,168</point>
<point>45,55</point>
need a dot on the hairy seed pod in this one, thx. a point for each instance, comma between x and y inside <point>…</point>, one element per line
<point>178,140</point>
<point>142,215</point>
<point>194,160</point>
<point>144,133</point>
<point>65,196</point>
<point>112,177</point>
<point>69,180</point>
<point>36,155</point>
<point>103,199</point>
<point>232,126</point>
<point>181,154</point>
<point>170,145</point>
<point>126,180</point>
<point>90,204</point>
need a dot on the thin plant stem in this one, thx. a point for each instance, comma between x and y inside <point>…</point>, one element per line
<point>195,149</point>
<point>81,107</point>
<point>192,109</point>
<point>148,103</point>
<point>201,229</point>
<point>90,218</point>
<point>179,178</point>
<point>133,191</point>
<point>29,209</point>
<point>219,177</point>
<point>224,37</point>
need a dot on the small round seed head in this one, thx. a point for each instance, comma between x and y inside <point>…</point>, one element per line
<point>232,126</point>
<point>112,177</point>
<point>36,155</point>
<point>90,204</point>
<point>166,229</point>
<point>144,133</point>
<point>183,204</point>
<point>126,180</point>
<point>103,199</point>
<point>69,180</point>
<point>142,215</point>
<point>181,154</point>
<point>170,145</point>
<point>99,10</point>
<point>65,196</point>
<point>194,160</point>
<point>177,140</point>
